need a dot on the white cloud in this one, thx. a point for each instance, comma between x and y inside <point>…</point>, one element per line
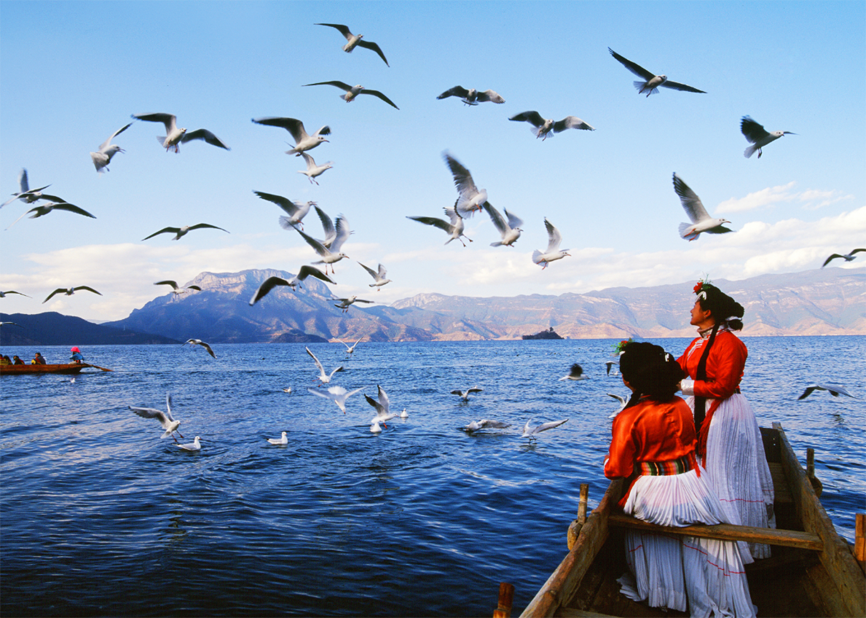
<point>811,198</point>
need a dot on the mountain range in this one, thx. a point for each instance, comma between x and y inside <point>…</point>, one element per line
<point>829,301</point>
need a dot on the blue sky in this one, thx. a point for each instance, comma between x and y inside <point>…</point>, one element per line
<point>71,73</point>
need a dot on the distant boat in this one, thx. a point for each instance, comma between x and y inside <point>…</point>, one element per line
<point>20,369</point>
<point>545,334</point>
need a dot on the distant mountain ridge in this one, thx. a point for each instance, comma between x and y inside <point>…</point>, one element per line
<point>52,328</point>
<point>819,302</point>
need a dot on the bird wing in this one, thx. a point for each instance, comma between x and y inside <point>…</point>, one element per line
<point>853,251</point>
<point>456,91</point>
<point>327,224</point>
<point>207,225</point>
<point>576,370</point>
<point>107,142</point>
<point>619,398</point>
<point>286,204</point>
<point>152,413</point>
<point>551,425</point>
<point>554,237</point>
<point>343,29</point>
<point>571,122</point>
<point>752,130</point>
<point>173,284</point>
<point>376,93</point>
<point>292,125</point>
<point>372,272</point>
<point>343,232</point>
<point>719,229</point>
<point>321,394</point>
<point>679,86</point>
<point>475,389</point>
<point>316,360</point>
<point>267,285</point>
<point>690,201</point>
<point>312,271</point>
<point>338,84</point>
<point>494,424</point>
<point>206,135</point>
<point>49,198</point>
<point>490,95</point>
<point>514,221</point>
<point>375,48</point>
<point>168,120</point>
<point>383,273</point>
<point>171,230</point>
<point>460,393</point>
<point>631,66</point>
<point>533,118</point>
<point>57,291</point>
<point>498,220</point>
<point>193,287</point>
<point>462,178</point>
<point>207,347</point>
<point>168,406</point>
<point>361,300</point>
<point>829,259</point>
<point>809,390</point>
<point>440,223</point>
<point>23,183</point>
<point>383,399</point>
<point>379,409</point>
<point>72,208</point>
<point>836,390</point>
<point>84,287</point>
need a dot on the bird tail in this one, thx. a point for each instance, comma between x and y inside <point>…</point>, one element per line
<point>160,139</point>
<point>536,131</point>
<point>687,231</point>
<point>640,88</point>
<point>536,255</point>
<point>286,224</point>
<point>496,244</point>
<point>750,151</point>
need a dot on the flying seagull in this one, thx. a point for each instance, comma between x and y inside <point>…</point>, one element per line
<point>327,227</point>
<point>28,195</point>
<point>354,91</point>
<point>169,424</point>
<point>472,96</point>
<point>622,403</point>
<point>69,292</point>
<point>470,197</point>
<point>382,406</point>
<point>354,40</point>
<point>107,150</point>
<point>295,127</point>
<point>701,220</point>
<point>175,136</point>
<point>314,170</point>
<point>553,251</point>
<point>200,343</point>
<point>175,289</point>
<point>833,390</point>
<point>330,255</point>
<point>575,373</point>
<point>531,432</point>
<point>324,378</point>
<point>180,232</point>
<point>758,136</point>
<point>195,445</point>
<point>380,277</point>
<point>296,210</point>
<point>337,394</point>
<point>508,226</point>
<point>547,127</point>
<point>349,349</point>
<point>485,423</point>
<point>454,229</point>
<point>610,365</point>
<point>650,82</point>
<point>847,257</point>
<point>464,395</point>
<point>345,303</point>
<point>44,209</point>
<point>282,440</point>
<point>3,294</point>
<point>303,272</point>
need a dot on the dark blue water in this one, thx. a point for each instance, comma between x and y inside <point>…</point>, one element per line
<point>101,516</point>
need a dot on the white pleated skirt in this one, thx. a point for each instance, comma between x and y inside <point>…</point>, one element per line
<point>737,469</point>
<point>703,576</point>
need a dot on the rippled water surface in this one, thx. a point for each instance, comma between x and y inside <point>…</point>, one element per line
<point>101,516</point>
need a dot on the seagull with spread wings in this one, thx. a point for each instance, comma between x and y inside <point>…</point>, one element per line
<point>44,209</point>
<point>3,294</point>
<point>313,170</point>
<point>303,272</point>
<point>547,127</point>
<point>355,40</point>
<point>454,229</point>
<point>382,406</point>
<point>701,220</point>
<point>201,343</point>
<point>758,136</point>
<point>553,252</point>
<point>102,158</point>
<point>575,373</point>
<point>333,254</point>
<point>651,82</point>
<point>485,423</point>
<point>380,277</point>
<point>832,389</point>
<point>471,198</point>
<point>70,291</point>
<point>176,289</point>
<point>180,232</point>
<point>472,96</point>
<point>165,419</point>
<point>337,394</point>
<point>175,136</point>
<point>531,432</point>
<point>296,210</point>
<point>354,91</point>
<point>345,303</point>
<point>295,127</point>
<point>464,395</point>
<point>508,226</point>
<point>324,378</point>
<point>846,256</point>
<point>28,195</point>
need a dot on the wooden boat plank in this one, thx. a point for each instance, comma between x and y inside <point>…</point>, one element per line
<point>64,368</point>
<point>780,485</point>
<point>726,532</point>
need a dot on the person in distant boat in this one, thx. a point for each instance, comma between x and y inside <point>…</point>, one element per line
<point>16,360</point>
<point>730,446</point>
<point>5,360</point>
<point>76,356</point>
<point>653,448</point>
<point>38,360</point>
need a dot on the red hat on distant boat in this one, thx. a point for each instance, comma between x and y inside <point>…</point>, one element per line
<point>75,349</point>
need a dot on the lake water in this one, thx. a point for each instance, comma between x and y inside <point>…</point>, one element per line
<point>101,516</point>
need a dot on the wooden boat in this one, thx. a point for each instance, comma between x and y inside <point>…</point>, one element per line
<point>67,368</point>
<point>812,571</point>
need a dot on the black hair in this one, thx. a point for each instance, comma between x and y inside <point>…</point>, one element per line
<point>650,371</point>
<point>722,307</point>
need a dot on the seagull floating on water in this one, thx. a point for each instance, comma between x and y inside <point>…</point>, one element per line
<point>354,40</point>
<point>531,432</point>
<point>332,254</point>
<point>472,96</point>
<point>353,91</point>
<point>454,229</point>
<point>758,136</point>
<point>102,158</point>
<point>547,127</point>
<point>650,81</point>
<point>282,440</point>
<point>296,210</point>
<point>553,251</point>
<point>701,220</point>
<point>166,420</point>
<point>175,136</point>
<point>323,377</point>
<point>509,229</point>
<point>177,290</point>
<point>380,277</point>
<point>28,195</point>
<point>485,423</point>
<point>303,272</point>
<point>70,291</point>
<point>337,394</point>
<point>345,303</point>
<point>314,170</point>
<point>847,256</point>
<point>382,406</point>
<point>575,373</point>
<point>832,389</point>
<point>464,395</point>
<point>195,445</point>
<point>295,127</point>
<point>201,343</point>
<point>180,232</point>
<point>404,414</point>
<point>470,197</point>
<point>44,209</point>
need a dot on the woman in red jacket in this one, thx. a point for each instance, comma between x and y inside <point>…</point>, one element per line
<point>729,442</point>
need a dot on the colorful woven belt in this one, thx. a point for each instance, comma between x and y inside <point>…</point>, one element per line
<point>665,468</point>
